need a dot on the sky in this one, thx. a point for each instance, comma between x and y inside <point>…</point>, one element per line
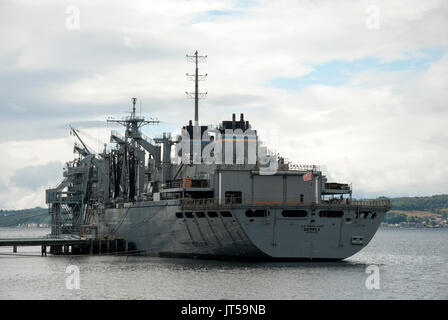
<point>357,87</point>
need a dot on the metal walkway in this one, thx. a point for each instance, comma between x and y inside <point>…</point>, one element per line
<point>68,246</point>
<point>40,241</point>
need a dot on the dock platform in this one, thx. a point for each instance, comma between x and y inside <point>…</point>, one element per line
<point>69,245</point>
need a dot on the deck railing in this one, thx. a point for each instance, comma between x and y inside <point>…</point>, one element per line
<point>302,167</point>
<point>371,203</point>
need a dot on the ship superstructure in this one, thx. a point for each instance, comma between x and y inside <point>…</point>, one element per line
<point>209,192</point>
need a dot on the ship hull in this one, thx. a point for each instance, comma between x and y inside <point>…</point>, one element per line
<point>167,229</point>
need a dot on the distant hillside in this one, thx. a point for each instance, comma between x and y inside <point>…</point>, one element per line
<point>417,209</point>
<point>419,214</point>
<point>14,218</point>
<point>436,204</point>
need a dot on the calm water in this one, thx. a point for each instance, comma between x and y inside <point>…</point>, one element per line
<point>412,264</point>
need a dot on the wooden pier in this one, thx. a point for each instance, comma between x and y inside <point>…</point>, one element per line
<point>60,246</point>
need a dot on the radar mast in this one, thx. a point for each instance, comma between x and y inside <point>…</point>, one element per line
<point>197,77</point>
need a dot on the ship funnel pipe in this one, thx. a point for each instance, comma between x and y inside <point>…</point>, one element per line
<point>233,121</point>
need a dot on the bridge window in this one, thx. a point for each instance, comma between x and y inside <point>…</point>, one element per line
<point>179,214</point>
<point>331,213</point>
<point>212,214</point>
<point>233,196</point>
<point>200,214</point>
<point>256,213</point>
<point>189,214</point>
<point>226,214</point>
<point>294,213</point>
<point>365,214</point>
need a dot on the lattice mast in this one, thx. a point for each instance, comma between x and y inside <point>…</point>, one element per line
<point>197,77</point>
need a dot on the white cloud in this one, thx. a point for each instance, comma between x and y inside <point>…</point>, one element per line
<point>381,130</point>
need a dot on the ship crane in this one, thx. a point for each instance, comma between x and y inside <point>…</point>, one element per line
<point>129,162</point>
<point>133,124</point>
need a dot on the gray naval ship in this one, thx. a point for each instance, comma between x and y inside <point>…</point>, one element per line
<point>210,192</point>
